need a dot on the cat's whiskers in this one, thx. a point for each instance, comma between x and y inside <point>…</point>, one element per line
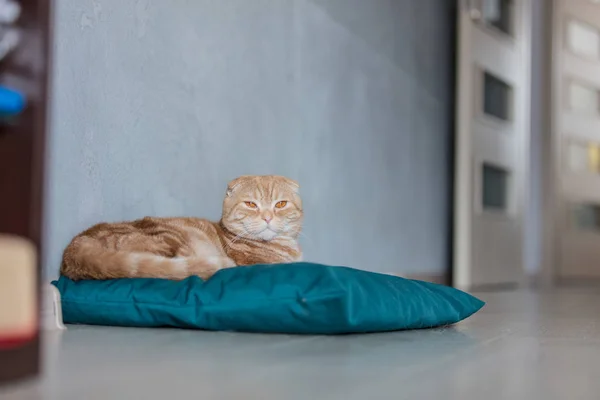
<point>235,239</point>
<point>247,234</point>
<point>300,233</point>
<point>252,227</point>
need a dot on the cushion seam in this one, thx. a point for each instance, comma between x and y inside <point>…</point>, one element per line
<point>113,302</point>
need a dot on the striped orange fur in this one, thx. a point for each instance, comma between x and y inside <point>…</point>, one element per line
<point>260,224</point>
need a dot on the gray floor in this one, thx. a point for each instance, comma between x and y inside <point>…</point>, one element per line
<point>522,345</point>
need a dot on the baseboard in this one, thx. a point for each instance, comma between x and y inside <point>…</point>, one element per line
<point>578,282</point>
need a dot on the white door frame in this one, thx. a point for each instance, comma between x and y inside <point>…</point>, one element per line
<point>489,245</point>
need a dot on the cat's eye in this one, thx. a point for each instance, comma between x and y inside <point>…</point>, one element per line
<point>250,204</point>
<point>281,204</point>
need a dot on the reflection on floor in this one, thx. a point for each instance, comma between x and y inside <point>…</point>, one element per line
<point>522,345</point>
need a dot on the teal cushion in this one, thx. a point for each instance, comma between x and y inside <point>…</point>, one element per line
<point>288,298</point>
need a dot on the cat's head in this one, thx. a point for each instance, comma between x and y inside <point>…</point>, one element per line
<point>263,207</point>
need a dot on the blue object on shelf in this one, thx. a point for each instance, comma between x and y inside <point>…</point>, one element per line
<point>11,102</point>
<point>301,298</point>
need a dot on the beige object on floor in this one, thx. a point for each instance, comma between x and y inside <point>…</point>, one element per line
<point>18,263</point>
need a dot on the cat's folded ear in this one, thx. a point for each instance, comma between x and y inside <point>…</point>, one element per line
<point>234,184</point>
<point>292,183</point>
<point>237,182</point>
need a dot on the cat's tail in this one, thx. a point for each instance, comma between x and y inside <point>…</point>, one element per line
<point>87,258</point>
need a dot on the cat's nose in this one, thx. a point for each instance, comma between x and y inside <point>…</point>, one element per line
<point>267,219</point>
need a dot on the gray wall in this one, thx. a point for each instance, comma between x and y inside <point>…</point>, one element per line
<point>157,104</point>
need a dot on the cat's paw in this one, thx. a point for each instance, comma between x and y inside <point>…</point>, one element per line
<point>228,263</point>
<point>221,262</point>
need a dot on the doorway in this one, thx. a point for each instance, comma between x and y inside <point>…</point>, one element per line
<point>492,141</point>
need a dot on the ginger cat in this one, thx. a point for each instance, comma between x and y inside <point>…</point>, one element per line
<point>260,224</point>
